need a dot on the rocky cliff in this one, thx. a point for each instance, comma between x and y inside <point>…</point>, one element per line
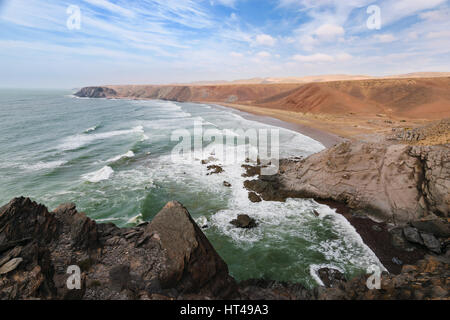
<point>393,183</point>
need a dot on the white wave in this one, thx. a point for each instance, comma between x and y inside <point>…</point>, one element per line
<point>103,174</point>
<point>136,219</point>
<point>44,165</point>
<point>91,129</point>
<point>129,154</point>
<point>78,141</point>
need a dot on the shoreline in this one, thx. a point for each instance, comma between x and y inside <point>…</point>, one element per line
<point>328,139</point>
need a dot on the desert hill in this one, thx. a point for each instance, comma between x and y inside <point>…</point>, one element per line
<point>409,98</point>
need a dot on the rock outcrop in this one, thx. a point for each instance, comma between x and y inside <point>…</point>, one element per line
<point>96,92</point>
<point>169,258</point>
<point>391,183</point>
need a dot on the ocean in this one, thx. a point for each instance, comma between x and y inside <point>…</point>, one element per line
<point>113,159</point>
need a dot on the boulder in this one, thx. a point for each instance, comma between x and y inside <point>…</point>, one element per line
<point>436,226</point>
<point>431,242</point>
<point>244,221</point>
<point>412,235</point>
<point>192,263</point>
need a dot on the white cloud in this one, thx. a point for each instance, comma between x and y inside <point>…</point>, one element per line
<point>385,38</point>
<point>236,54</point>
<point>318,57</point>
<point>265,40</point>
<point>329,32</point>
<point>264,54</point>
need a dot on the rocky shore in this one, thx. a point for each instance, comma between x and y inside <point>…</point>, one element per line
<point>167,259</point>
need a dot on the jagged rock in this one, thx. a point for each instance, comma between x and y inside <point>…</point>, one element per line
<point>253,197</point>
<point>169,257</point>
<point>214,169</point>
<point>192,263</point>
<point>227,184</point>
<point>412,235</point>
<point>244,221</point>
<point>431,242</point>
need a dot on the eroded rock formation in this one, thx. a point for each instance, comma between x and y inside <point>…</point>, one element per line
<point>392,183</point>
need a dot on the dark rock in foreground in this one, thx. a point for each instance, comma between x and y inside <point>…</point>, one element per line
<point>169,257</point>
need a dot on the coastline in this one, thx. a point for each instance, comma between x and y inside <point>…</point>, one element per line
<point>327,138</point>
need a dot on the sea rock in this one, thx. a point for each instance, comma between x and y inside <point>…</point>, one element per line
<point>253,197</point>
<point>330,277</point>
<point>214,169</point>
<point>244,221</point>
<point>227,184</point>
<point>96,92</point>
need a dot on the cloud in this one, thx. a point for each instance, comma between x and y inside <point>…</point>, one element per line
<point>318,57</point>
<point>111,7</point>
<point>329,32</point>
<point>236,54</point>
<point>264,54</point>
<point>265,40</point>
<point>385,38</point>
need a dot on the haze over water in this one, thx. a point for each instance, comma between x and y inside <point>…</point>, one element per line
<point>113,159</point>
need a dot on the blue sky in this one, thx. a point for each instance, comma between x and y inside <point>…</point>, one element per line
<point>166,41</point>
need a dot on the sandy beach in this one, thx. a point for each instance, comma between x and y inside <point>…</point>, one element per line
<point>327,128</point>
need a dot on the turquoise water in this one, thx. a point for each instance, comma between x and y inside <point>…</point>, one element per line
<point>113,158</point>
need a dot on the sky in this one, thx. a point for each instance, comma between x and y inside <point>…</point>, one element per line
<point>42,45</point>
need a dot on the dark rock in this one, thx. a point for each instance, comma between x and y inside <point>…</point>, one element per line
<point>214,169</point>
<point>115,263</point>
<point>96,92</point>
<point>253,197</point>
<point>244,221</point>
<point>192,263</point>
<point>251,171</point>
<point>412,235</point>
<point>330,277</point>
<point>397,261</point>
<point>227,184</point>
<point>431,242</point>
<point>438,227</point>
